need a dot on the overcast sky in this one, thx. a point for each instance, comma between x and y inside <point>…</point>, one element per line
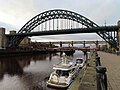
<point>18,12</point>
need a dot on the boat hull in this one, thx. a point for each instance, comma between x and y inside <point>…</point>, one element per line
<point>57,85</point>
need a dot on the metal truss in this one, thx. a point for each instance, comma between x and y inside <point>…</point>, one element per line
<point>59,14</point>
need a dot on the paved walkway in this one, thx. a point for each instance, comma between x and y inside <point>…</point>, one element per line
<point>88,81</point>
<point>112,62</point>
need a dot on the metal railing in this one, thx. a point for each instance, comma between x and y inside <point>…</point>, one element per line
<point>101,75</point>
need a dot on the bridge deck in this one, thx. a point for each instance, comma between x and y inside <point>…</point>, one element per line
<point>112,62</point>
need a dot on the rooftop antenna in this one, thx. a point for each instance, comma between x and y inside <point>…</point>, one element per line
<point>105,23</point>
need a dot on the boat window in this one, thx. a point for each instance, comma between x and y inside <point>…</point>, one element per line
<point>62,73</point>
<point>65,73</point>
<point>72,70</point>
<point>79,60</point>
<point>58,72</point>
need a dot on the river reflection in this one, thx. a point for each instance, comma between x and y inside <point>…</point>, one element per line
<point>28,72</point>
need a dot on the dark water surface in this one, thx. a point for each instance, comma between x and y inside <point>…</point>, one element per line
<point>28,72</point>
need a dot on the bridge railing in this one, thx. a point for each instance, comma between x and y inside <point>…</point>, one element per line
<point>101,75</point>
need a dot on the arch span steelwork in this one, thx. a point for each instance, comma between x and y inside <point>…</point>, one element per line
<point>58,14</point>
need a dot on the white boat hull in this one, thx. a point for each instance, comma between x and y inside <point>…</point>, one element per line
<point>60,84</point>
<point>57,85</point>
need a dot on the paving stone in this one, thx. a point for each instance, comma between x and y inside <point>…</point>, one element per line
<point>112,63</point>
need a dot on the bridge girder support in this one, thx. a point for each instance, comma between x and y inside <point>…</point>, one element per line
<point>119,39</point>
<point>60,44</point>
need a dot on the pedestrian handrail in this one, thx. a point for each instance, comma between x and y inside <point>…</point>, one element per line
<point>101,75</point>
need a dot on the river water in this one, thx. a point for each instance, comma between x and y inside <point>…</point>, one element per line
<point>29,72</point>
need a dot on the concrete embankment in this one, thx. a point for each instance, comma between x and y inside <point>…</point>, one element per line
<point>86,80</point>
<point>19,52</point>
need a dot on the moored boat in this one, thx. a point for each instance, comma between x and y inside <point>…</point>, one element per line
<point>80,62</point>
<point>64,73</point>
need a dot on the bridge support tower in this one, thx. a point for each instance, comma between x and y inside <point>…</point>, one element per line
<point>118,36</point>
<point>72,43</point>
<point>60,43</point>
<point>84,44</point>
<point>50,44</point>
<point>2,38</point>
<point>97,44</point>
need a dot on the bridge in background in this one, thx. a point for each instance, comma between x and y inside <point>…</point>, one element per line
<point>58,21</point>
<point>75,42</point>
<point>70,43</point>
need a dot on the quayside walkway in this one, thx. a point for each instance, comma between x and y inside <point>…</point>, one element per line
<point>112,63</point>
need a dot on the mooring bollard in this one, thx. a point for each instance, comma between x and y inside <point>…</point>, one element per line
<point>101,78</point>
<point>98,61</point>
<point>96,54</point>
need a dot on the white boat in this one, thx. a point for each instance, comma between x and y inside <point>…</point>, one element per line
<point>64,73</point>
<point>80,62</point>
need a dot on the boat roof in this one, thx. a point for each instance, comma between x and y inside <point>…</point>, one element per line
<point>80,58</point>
<point>63,66</point>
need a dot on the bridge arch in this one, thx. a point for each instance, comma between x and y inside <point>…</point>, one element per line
<point>58,14</point>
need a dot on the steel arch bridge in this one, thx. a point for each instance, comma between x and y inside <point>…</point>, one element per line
<point>59,14</point>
